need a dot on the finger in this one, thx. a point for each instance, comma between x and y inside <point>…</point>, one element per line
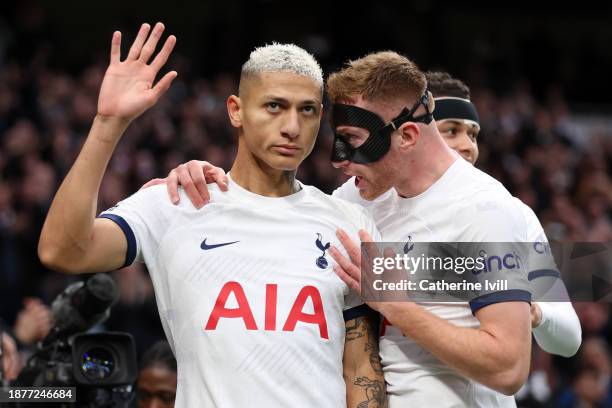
<point>396,273</point>
<point>185,180</point>
<point>196,172</point>
<point>369,247</point>
<point>347,279</point>
<point>216,175</point>
<point>136,47</point>
<point>349,267</point>
<point>162,86</point>
<point>115,53</point>
<point>352,249</point>
<point>172,187</point>
<point>364,236</point>
<point>149,47</point>
<point>388,252</point>
<point>162,57</point>
<point>154,182</point>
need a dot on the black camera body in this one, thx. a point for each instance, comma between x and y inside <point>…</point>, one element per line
<point>102,366</point>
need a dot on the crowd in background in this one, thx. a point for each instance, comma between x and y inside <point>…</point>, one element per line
<point>45,113</point>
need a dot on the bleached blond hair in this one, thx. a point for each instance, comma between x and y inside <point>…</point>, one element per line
<point>277,57</point>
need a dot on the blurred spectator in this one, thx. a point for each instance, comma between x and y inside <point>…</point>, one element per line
<point>10,360</point>
<point>157,377</point>
<point>592,383</point>
<point>33,322</point>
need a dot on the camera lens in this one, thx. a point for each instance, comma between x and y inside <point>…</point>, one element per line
<point>97,363</point>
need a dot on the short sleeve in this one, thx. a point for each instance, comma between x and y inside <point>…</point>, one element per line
<point>543,275</point>
<point>144,218</point>
<point>495,230</point>
<point>534,230</point>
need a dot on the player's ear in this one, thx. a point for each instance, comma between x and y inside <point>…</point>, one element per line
<point>234,110</point>
<point>408,135</point>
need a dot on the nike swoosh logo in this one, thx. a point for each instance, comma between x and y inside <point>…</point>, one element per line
<point>206,246</point>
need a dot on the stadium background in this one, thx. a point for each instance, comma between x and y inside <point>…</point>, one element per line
<point>539,77</point>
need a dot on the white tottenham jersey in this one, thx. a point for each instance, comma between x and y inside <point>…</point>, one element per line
<point>559,331</point>
<point>464,205</point>
<point>246,292</point>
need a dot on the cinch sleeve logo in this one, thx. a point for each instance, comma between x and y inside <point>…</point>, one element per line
<point>507,261</point>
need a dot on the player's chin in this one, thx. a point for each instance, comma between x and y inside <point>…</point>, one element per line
<point>286,163</point>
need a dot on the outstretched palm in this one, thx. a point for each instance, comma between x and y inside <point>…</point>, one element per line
<point>127,89</point>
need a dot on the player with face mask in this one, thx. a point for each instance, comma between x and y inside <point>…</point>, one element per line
<point>443,354</point>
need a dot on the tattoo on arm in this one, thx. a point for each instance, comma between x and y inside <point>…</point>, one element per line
<point>371,328</point>
<point>366,329</point>
<point>375,393</point>
<point>354,329</point>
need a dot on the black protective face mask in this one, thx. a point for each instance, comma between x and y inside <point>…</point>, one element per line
<point>379,141</point>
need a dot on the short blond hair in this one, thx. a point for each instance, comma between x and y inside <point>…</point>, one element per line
<point>277,57</point>
<point>378,76</point>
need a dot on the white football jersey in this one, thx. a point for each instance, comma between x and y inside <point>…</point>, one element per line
<point>464,205</point>
<point>246,292</point>
<point>559,331</point>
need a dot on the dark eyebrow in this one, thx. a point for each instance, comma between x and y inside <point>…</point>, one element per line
<point>284,101</point>
<point>276,99</point>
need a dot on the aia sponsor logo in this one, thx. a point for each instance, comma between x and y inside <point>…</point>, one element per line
<point>244,310</point>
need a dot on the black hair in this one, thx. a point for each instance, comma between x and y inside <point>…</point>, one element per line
<point>443,84</point>
<point>160,354</point>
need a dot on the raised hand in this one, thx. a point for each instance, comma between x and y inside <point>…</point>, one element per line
<point>127,89</point>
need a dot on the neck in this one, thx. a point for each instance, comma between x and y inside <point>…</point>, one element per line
<point>426,168</point>
<point>257,177</point>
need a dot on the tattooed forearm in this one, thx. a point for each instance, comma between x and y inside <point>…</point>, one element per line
<point>371,347</point>
<point>355,329</point>
<point>376,396</point>
<point>366,327</point>
<point>363,373</point>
